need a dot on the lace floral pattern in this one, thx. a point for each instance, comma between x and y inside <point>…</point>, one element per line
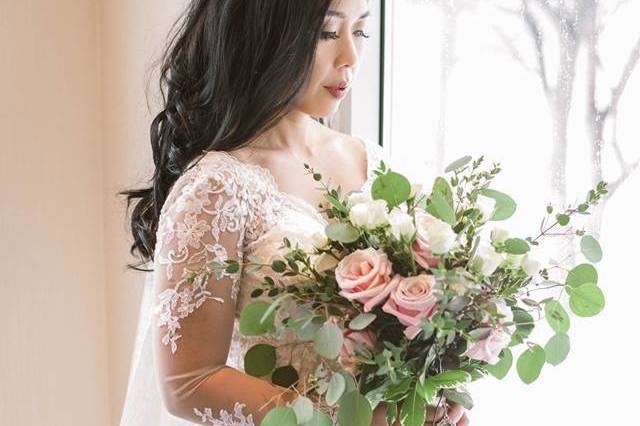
<point>219,195</point>
<point>226,419</point>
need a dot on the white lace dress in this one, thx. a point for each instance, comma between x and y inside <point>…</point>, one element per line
<point>189,353</point>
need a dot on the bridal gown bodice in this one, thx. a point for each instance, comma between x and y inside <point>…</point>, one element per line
<point>220,208</point>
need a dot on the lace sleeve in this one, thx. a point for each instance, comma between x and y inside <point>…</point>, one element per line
<point>202,224</point>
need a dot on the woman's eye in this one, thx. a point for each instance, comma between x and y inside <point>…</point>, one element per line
<point>334,35</point>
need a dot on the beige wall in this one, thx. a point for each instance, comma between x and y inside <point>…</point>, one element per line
<point>73,131</point>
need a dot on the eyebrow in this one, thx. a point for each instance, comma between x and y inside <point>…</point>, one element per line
<point>342,15</point>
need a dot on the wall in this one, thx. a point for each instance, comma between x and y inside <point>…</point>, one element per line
<point>53,362</point>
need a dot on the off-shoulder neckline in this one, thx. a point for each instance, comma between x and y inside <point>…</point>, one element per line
<point>266,173</point>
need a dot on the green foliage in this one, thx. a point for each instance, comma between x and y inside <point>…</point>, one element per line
<point>328,340</point>
<point>342,232</point>
<point>530,363</point>
<point>556,316</point>
<point>280,416</point>
<point>413,409</point>
<point>505,205</point>
<point>557,348</point>
<point>591,249</point>
<point>392,187</point>
<point>354,410</point>
<point>586,300</point>
<point>250,324</point>
<point>260,360</point>
<point>500,369</point>
<point>362,321</point>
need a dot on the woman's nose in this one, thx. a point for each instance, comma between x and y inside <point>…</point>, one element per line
<point>349,52</point>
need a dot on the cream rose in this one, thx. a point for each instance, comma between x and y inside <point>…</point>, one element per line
<point>370,214</point>
<point>433,233</point>
<point>486,205</point>
<point>486,259</point>
<point>364,276</point>
<point>401,223</point>
<point>410,300</point>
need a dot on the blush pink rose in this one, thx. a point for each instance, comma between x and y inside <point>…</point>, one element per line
<point>410,300</point>
<point>364,276</point>
<point>489,348</point>
<point>423,254</point>
<point>351,339</point>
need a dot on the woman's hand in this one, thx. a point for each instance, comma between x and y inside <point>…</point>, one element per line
<point>456,412</point>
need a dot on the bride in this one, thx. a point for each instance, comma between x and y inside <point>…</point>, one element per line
<point>244,81</point>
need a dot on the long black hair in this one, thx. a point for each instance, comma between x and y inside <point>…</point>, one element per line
<point>231,70</point>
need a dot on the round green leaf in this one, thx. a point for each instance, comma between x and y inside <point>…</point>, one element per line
<point>355,410</point>
<point>586,300</point>
<point>530,363</point>
<point>591,249</point>
<point>562,219</point>
<point>500,369</point>
<point>250,316</point>
<point>336,388</point>
<point>556,316</point>
<point>516,246</point>
<point>442,186</point>
<point>280,416</point>
<point>342,232</point>
<point>581,274</point>
<point>557,348</point>
<point>328,340</point>
<point>524,325</point>
<point>505,205</point>
<point>458,164</point>
<point>303,407</point>
<point>392,187</point>
<point>278,266</point>
<point>260,360</point>
<point>318,419</point>
<point>439,208</point>
<point>284,376</point>
<point>362,321</point>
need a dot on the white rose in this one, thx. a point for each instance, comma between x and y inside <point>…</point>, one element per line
<point>357,197</point>
<point>499,235</point>
<point>319,239</point>
<point>486,205</point>
<point>369,214</point>
<point>486,259</point>
<point>437,234</point>
<point>531,262</point>
<point>401,223</point>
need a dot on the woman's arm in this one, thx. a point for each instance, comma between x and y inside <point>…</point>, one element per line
<point>203,220</point>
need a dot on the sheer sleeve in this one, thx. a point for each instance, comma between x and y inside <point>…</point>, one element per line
<point>202,222</point>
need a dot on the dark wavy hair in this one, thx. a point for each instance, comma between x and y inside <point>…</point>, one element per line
<point>231,70</point>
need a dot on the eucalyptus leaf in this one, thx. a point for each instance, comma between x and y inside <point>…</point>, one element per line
<point>461,397</point>
<point>516,246</point>
<point>505,205</point>
<point>392,187</point>
<point>318,419</point>
<point>303,407</point>
<point>591,249</point>
<point>524,325</point>
<point>586,300</point>
<point>557,348</point>
<point>260,360</point>
<point>581,274</point>
<point>342,232</point>
<point>500,369</point>
<point>337,386</point>
<point>556,316</point>
<point>361,321</point>
<point>442,186</point>
<point>328,340</point>
<point>530,363</point>
<point>354,410</point>
<point>439,208</point>
<point>280,416</point>
<point>458,164</point>
<point>250,324</point>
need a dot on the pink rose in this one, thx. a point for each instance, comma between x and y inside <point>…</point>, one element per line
<point>410,300</point>
<point>363,276</point>
<point>423,254</point>
<point>489,348</point>
<point>366,338</point>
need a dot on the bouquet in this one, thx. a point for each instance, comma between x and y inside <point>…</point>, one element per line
<point>407,297</point>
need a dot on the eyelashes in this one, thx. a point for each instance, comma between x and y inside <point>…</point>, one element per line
<point>325,35</point>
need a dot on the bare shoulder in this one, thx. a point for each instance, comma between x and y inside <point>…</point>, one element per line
<point>345,146</point>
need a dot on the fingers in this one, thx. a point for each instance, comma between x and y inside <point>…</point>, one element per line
<point>434,414</point>
<point>456,412</point>
<point>464,421</point>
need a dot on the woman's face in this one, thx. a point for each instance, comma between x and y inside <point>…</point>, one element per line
<point>344,39</point>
